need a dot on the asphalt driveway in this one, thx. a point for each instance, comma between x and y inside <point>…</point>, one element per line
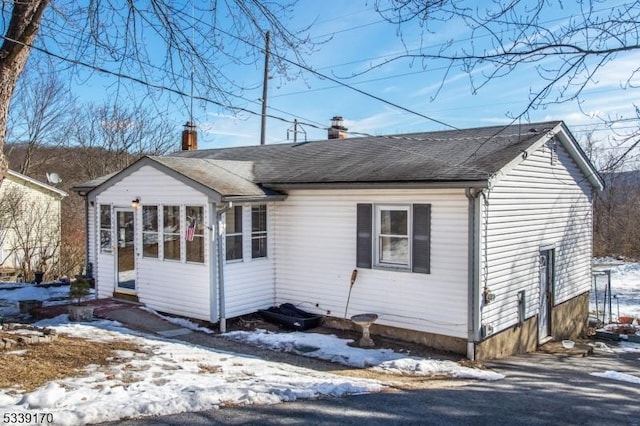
<point>539,389</point>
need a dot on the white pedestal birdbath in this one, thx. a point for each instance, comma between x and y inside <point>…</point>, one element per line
<point>365,321</point>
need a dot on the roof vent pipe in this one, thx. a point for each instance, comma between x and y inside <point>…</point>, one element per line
<point>189,137</point>
<point>337,129</point>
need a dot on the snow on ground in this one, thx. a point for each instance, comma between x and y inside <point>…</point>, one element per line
<point>335,349</point>
<point>170,377</point>
<point>625,287</point>
<point>615,375</point>
<point>12,293</point>
<point>182,322</point>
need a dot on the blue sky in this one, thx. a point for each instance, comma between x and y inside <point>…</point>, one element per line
<point>360,39</point>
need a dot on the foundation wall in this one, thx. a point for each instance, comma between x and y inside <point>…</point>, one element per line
<point>432,340</point>
<point>568,321</point>
<point>515,340</point>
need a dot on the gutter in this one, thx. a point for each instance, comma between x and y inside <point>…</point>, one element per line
<point>277,186</point>
<point>473,295</point>
<point>221,301</point>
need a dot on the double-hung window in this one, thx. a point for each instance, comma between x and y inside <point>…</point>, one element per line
<point>150,231</point>
<point>194,235</point>
<point>171,234</point>
<point>233,227</point>
<point>394,236</point>
<point>258,231</point>
<point>392,223</point>
<point>105,228</point>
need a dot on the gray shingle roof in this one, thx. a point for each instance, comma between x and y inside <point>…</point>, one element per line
<point>442,156</point>
<point>228,178</point>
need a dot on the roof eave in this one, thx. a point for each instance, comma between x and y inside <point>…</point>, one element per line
<point>253,198</point>
<point>378,185</point>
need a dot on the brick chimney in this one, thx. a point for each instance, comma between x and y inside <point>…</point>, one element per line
<point>189,137</point>
<point>337,129</point>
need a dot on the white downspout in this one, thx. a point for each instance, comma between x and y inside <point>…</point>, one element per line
<point>473,318</point>
<point>220,229</point>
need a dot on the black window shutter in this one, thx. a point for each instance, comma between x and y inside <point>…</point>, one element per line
<point>365,235</point>
<point>421,240</point>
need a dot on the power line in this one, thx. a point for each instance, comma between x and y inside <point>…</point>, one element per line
<point>140,81</point>
<point>321,75</point>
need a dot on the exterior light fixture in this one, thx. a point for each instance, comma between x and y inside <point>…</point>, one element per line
<point>135,203</point>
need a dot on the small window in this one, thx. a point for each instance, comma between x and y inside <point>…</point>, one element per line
<point>171,234</point>
<point>194,235</point>
<point>150,231</point>
<point>389,236</point>
<point>105,229</point>
<point>393,235</point>
<point>234,233</point>
<point>258,231</point>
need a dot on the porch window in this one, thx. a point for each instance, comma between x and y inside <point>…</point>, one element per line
<point>150,231</point>
<point>194,235</point>
<point>233,228</point>
<point>172,231</point>
<point>259,231</point>
<point>105,229</point>
<point>394,236</point>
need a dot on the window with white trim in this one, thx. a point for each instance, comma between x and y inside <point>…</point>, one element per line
<point>171,232</point>
<point>394,236</point>
<point>233,230</point>
<point>258,231</point>
<point>194,234</point>
<point>150,231</point>
<point>105,229</point>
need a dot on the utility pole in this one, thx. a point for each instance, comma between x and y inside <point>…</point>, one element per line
<point>295,131</point>
<point>264,88</point>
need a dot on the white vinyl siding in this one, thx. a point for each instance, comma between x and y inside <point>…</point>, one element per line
<point>537,205</point>
<point>249,285</point>
<point>168,286</point>
<point>33,225</point>
<point>316,253</point>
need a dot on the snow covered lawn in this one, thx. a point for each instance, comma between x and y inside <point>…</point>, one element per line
<point>334,349</point>
<point>169,377</point>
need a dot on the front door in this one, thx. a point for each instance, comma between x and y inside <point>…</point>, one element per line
<point>125,251</point>
<point>546,288</point>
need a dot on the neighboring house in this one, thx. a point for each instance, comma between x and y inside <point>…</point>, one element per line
<point>476,241</point>
<point>30,213</point>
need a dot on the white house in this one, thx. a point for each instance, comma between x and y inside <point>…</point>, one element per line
<point>476,241</point>
<point>30,213</point>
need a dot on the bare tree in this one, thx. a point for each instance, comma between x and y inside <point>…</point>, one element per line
<point>507,36</point>
<point>108,138</point>
<point>19,35</point>
<point>41,114</point>
<point>161,45</point>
